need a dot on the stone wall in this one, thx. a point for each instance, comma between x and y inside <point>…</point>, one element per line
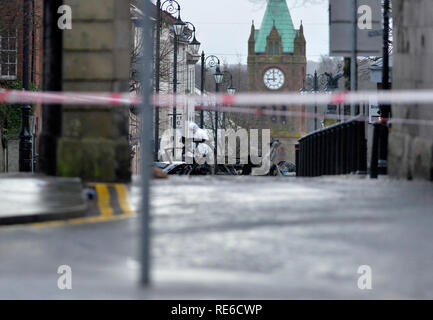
<point>411,146</point>
<point>96,57</point>
<point>9,154</point>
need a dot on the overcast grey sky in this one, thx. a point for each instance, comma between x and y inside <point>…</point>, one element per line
<point>223,26</point>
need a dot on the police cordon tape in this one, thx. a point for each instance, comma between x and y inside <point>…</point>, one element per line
<point>68,98</point>
<point>244,103</point>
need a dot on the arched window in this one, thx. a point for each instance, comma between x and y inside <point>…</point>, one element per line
<point>271,48</point>
<point>277,49</point>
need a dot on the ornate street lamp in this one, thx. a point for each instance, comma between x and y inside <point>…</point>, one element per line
<point>194,44</point>
<point>314,83</point>
<point>219,76</point>
<point>210,62</point>
<point>323,82</point>
<point>171,7</point>
<point>178,25</point>
<point>230,89</point>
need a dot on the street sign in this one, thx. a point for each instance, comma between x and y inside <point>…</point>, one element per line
<point>369,28</point>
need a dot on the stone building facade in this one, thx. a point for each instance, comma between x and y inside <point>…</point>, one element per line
<point>96,57</point>
<point>411,146</point>
<point>276,63</point>
<point>11,68</point>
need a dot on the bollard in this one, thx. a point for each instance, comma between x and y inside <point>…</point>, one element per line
<point>297,158</point>
<point>383,149</point>
<point>299,164</point>
<point>375,152</point>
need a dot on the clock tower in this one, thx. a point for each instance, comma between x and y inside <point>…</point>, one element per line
<point>277,63</point>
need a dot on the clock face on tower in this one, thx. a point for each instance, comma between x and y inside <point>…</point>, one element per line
<point>274,79</point>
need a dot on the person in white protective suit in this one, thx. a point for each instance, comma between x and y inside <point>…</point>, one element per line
<point>197,142</point>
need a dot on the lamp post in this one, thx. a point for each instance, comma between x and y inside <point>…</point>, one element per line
<point>219,77</point>
<point>316,83</point>
<point>210,62</point>
<point>230,89</point>
<point>25,147</point>
<point>385,109</point>
<point>178,27</point>
<point>194,45</point>
<point>157,75</point>
<point>171,7</point>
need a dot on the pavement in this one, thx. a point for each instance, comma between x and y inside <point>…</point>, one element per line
<point>238,238</point>
<point>33,198</point>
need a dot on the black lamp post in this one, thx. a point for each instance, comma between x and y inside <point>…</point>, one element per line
<point>315,83</point>
<point>178,27</point>
<point>219,77</point>
<point>157,75</point>
<point>230,89</point>
<point>385,109</point>
<point>210,62</point>
<point>25,147</point>
<point>52,81</point>
<point>171,7</point>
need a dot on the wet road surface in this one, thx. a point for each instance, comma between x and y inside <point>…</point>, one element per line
<point>240,237</point>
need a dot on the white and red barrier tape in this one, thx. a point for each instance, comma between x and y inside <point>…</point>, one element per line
<point>68,98</point>
<point>246,103</point>
<point>242,99</point>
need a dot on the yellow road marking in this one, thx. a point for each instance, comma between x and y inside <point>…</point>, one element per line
<point>79,221</point>
<point>105,209</point>
<point>123,198</point>
<point>104,200</point>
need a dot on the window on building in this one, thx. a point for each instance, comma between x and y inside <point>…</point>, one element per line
<point>277,49</point>
<point>8,54</point>
<point>271,48</point>
<point>284,117</point>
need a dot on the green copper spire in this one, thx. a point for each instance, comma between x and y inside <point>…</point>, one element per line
<point>277,12</point>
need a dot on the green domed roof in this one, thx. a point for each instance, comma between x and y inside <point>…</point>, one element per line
<point>276,12</point>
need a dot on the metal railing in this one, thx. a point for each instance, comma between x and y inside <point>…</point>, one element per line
<point>335,150</point>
